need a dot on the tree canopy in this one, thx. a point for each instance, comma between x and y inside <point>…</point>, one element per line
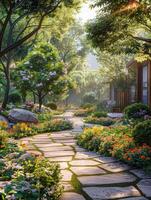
<point>122,26</point>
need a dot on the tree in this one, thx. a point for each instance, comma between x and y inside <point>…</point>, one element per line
<point>41,72</point>
<point>122,26</point>
<point>20,21</point>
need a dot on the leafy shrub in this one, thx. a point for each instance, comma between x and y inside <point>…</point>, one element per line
<point>139,156</point>
<point>84,112</point>
<point>99,114</point>
<point>15,97</point>
<point>101,121</point>
<point>53,106</point>
<point>117,142</point>
<point>3,138</point>
<point>87,105</point>
<point>59,125</point>
<point>89,98</point>
<point>42,117</point>
<point>137,111</point>
<point>142,133</point>
<point>37,179</point>
<point>22,130</point>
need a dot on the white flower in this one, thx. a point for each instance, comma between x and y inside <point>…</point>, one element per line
<point>53,73</point>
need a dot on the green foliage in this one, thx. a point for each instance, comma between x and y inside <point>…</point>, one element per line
<point>83,112</point>
<point>58,125</point>
<point>101,120</point>
<point>118,25</point>
<point>52,106</point>
<point>37,179</point>
<point>42,117</point>
<point>15,97</point>
<point>87,106</point>
<point>89,98</point>
<point>3,138</point>
<point>117,142</point>
<point>99,114</point>
<point>142,133</point>
<point>41,72</point>
<point>136,111</point>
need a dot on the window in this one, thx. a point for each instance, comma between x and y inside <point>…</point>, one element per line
<point>145,84</point>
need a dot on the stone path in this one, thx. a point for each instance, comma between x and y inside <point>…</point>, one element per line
<point>86,175</point>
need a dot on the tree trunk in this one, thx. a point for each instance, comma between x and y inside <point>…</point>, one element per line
<point>40,102</point>
<point>34,98</point>
<point>7,88</point>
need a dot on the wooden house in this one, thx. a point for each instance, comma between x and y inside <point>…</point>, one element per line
<point>138,84</point>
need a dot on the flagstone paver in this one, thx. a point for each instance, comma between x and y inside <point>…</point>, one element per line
<point>82,171</point>
<point>72,196</point>
<point>145,187</point>
<point>99,177</point>
<point>115,167</point>
<point>97,193</point>
<point>107,179</point>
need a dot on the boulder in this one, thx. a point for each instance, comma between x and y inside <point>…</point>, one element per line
<point>22,115</point>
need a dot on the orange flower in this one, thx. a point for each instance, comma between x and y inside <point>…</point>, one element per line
<point>142,157</point>
<point>128,158</point>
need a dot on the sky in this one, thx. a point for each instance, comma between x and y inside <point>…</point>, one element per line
<point>85,15</point>
<point>86,12</point>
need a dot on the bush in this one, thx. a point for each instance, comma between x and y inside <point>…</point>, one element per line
<point>37,179</point>
<point>43,117</point>
<point>89,98</point>
<point>136,111</point>
<point>99,114</point>
<point>15,97</point>
<point>21,130</point>
<point>87,105</point>
<point>52,106</point>
<point>101,121</point>
<point>3,138</point>
<point>59,125</point>
<point>84,112</point>
<point>142,133</point>
<point>117,142</point>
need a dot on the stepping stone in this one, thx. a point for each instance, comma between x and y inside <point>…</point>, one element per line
<point>79,149</point>
<point>63,165</point>
<point>61,159</point>
<point>58,154</point>
<point>135,198</point>
<point>83,163</point>
<point>67,187</point>
<point>66,175</point>
<point>41,142</point>
<point>109,179</point>
<point>145,187</point>
<point>102,193</point>
<point>59,148</point>
<point>66,141</point>
<point>115,167</point>
<point>106,159</point>
<point>72,196</point>
<point>141,174</point>
<point>85,155</point>
<point>49,145</point>
<point>82,171</point>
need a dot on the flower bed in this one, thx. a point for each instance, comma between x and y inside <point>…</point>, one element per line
<point>28,177</point>
<point>117,142</point>
<point>104,121</point>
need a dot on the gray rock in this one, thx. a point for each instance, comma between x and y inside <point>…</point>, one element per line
<point>25,156</point>
<point>135,198</point>
<point>21,115</point>
<point>102,193</point>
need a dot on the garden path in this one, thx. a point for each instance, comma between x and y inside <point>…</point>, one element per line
<point>87,175</point>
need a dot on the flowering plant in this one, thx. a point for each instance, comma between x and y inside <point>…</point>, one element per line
<point>3,125</point>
